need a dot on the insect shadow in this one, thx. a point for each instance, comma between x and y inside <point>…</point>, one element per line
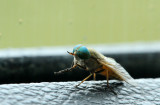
<point>97,87</point>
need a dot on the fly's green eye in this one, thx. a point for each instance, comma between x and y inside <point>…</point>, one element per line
<point>75,48</point>
<point>83,53</point>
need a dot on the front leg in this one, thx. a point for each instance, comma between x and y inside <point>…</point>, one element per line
<point>66,70</point>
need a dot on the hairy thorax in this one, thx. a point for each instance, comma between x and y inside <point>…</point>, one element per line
<point>90,64</point>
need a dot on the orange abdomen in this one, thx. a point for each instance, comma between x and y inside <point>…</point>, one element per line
<point>111,74</point>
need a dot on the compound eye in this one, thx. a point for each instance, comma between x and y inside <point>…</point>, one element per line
<point>76,47</point>
<point>83,53</point>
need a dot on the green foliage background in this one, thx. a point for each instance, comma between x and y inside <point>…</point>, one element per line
<point>30,23</point>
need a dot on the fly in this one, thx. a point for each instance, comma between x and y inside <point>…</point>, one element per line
<point>95,62</point>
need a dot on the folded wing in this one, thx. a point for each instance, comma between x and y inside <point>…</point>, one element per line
<point>119,71</point>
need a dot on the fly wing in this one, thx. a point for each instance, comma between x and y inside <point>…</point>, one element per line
<point>119,71</point>
<point>111,64</point>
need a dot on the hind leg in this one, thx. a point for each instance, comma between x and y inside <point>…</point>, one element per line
<point>107,78</point>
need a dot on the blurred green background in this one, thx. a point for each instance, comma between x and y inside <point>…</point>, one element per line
<point>34,23</point>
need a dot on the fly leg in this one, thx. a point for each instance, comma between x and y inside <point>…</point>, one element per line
<point>66,70</point>
<point>107,77</point>
<point>94,76</point>
<point>84,79</point>
<point>99,69</point>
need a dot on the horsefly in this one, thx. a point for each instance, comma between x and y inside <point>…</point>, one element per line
<point>95,62</point>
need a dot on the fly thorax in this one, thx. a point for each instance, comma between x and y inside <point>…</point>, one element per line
<point>91,64</point>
